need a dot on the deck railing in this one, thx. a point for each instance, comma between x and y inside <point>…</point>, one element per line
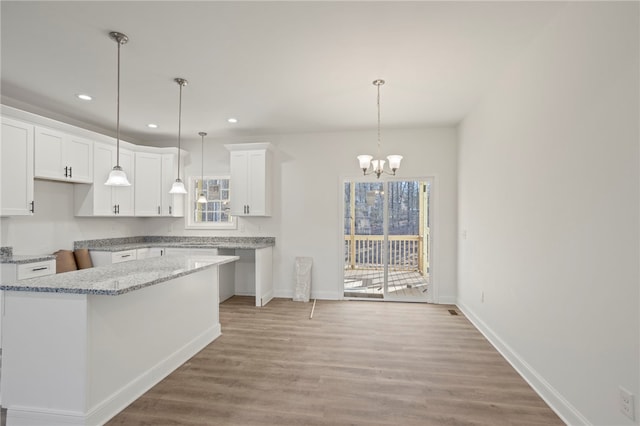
<point>405,252</point>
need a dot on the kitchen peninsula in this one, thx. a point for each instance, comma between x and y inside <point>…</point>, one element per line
<point>80,346</point>
<point>251,275</point>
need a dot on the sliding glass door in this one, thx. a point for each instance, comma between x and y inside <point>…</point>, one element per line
<point>387,239</point>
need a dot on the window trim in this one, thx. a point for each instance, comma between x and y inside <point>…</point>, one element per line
<point>189,223</point>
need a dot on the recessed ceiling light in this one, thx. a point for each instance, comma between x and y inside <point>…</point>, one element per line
<point>232,120</point>
<point>152,126</point>
<point>84,97</point>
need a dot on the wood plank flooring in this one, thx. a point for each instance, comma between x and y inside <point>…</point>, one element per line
<point>354,363</point>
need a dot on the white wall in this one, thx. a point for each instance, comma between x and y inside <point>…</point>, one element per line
<point>306,201</point>
<point>549,201</point>
<point>54,227</point>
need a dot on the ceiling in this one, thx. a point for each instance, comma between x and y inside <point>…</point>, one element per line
<point>278,67</point>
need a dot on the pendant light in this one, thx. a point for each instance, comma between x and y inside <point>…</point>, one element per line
<point>117,176</point>
<point>377,166</point>
<point>202,199</point>
<point>178,186</point>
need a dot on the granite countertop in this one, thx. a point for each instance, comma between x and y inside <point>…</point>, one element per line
<point>119,278</point>
<point>120,244</point>
<point>26,258</point>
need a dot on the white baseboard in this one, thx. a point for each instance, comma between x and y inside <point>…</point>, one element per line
<point>567,412</point>
<point>29,416</point>
<point>446,300</point>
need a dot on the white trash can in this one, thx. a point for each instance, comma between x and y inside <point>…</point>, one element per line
<point>303,279</point>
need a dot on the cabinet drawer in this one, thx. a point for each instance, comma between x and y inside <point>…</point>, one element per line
<point>36,269</point>
<point>123,256</point>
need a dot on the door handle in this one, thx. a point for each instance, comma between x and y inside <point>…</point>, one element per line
<point>65,171</point>
<point>70,171</point>
<point>33,207</point>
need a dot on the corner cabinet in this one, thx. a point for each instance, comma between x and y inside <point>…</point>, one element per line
<point>250,185</point>
<point>148,191</point>
<point>99,199</point>
<point>16,168</point>
<point>61,156</point>
<point>155,174</point>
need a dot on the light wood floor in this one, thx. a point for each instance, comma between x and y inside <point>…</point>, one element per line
<point>354,363</point>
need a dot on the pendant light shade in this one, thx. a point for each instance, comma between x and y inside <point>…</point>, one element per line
<point>202,199</point>
<point>117,176</point>
<point>178,185</point>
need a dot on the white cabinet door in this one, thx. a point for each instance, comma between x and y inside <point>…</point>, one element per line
<point>16,168</point>
<point>250,186</point>
<point>123,196</point>
<point>60,156</point>
<point>172,204</point>
<point>239,183</point>
<point>48,154</point>
<point>257,190</point>
<point>99,199</point>
<point>148,197</point>
<point>78,155</point>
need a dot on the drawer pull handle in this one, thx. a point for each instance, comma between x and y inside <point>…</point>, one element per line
<point>125,255</point>
<point>43,268</point>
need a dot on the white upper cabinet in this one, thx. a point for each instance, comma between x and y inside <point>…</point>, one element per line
<point>172,204</point>
<point>148,190</point>
<point>16,168</point>
<point>61,156</point>
<point>99,199</point>
<point>250,185</point>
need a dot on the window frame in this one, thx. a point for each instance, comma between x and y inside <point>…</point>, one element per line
<point>191,200</point>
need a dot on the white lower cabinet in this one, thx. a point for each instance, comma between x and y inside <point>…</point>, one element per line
<point>16,168</point>
<point>99,199</point>
<point>102,258</point>
<point>143,253</point>
<point>12,272</point>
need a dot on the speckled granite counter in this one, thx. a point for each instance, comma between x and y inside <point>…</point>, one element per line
<point>128,243</point>
<point>6,256</point>
<point>26,258</point>
<point>119,278</point>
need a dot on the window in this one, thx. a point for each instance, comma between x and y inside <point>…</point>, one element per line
<point>214,214</point>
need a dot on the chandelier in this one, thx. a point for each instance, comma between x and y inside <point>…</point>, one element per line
<point>367,163</point>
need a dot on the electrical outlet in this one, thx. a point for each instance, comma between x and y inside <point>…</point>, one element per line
<point>626,403</point>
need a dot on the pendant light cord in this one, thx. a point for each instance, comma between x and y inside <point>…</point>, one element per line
<point>118,111</point>
<point>179,125</point>
<point>202,162</point>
